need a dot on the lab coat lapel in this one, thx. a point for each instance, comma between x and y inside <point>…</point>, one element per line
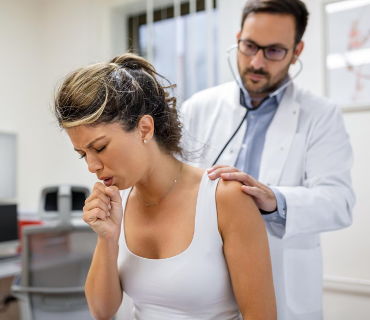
<point>279,137</point>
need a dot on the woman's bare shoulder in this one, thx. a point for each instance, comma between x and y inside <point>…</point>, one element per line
<point>229,193</point>
<point>234,207</point>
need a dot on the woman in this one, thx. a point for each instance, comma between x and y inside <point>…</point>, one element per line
<point>182,246</point>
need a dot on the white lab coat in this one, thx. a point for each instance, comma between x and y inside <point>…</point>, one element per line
<point>308,157</point>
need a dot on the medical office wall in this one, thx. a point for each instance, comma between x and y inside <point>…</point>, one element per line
<point>42,41</point>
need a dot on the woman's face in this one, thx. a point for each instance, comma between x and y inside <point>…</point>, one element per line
<point>116,157</point>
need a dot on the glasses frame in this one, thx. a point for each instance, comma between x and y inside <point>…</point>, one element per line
<point>263,48</point>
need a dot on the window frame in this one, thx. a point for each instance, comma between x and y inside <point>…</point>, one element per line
<point>135,21</point>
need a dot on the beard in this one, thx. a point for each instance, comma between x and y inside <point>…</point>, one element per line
<point>269,85</point>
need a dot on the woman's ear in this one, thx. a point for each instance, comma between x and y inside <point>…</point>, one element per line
<point>145,128</point>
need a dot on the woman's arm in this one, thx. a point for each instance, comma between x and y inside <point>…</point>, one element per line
<point>103,212</point>
<point>102,288</point>
<point>246,252</point>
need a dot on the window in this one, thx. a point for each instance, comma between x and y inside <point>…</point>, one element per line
<point>181,43</point>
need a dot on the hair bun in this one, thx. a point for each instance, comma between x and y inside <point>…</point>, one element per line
<point>134,62</point>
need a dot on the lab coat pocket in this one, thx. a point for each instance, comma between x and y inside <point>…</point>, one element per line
<point>303,279</point>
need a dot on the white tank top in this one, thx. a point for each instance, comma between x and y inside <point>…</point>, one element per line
<point>194,284</point>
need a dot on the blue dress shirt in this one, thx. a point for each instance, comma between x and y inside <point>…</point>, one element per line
<point>249,158</point>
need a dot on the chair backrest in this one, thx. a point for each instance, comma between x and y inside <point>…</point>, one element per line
<point>55,262</point>
<point>62,202</point>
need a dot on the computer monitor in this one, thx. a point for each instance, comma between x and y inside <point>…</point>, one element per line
<point>9,237</point>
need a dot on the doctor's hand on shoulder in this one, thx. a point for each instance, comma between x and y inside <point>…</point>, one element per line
<point>103,211</point>
<point>263,196</point>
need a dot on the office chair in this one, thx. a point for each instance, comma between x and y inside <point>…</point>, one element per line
<point>61,203</point>
<point>55,262</point>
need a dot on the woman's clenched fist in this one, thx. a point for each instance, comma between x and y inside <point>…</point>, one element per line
<point>103,211</point>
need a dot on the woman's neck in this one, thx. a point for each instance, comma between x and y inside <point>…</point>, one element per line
<point>160,180</point>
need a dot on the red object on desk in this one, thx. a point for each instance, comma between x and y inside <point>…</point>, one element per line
<point>24,223</point>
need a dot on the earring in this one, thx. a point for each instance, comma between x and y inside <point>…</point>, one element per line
<point>145,141</point>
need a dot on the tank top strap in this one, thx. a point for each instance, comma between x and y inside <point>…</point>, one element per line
<point>206,222</point>
<point>124,195</point>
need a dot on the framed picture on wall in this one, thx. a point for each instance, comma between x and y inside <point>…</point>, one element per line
<point>347,43</point>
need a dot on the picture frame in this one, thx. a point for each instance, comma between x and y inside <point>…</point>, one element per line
<point>346,27</point>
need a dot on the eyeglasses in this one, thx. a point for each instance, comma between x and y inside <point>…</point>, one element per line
<point>273,53</point>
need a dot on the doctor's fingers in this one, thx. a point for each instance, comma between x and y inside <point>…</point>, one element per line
<point>217,166</point>
<point>264,198</point>
<point>95,214</point>
<point>245,178</point>
<point>216,173</point>
<point>257,191</point>
<point>241,177</point>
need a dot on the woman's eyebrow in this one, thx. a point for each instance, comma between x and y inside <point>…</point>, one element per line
<point>90,144</point>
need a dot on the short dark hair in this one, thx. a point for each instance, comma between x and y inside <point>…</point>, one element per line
<point>296,8</point>
<point>121,90</point>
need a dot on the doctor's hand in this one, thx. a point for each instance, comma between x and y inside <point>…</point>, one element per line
<point>263,196</point>
<point>103,211</point>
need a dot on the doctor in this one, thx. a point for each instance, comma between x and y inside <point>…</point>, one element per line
<point>288,147</point>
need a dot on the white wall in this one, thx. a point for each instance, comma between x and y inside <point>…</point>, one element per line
<point>43,40</point>
<point>19,64</point>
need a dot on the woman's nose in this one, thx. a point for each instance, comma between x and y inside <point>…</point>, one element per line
<point>93,164</point>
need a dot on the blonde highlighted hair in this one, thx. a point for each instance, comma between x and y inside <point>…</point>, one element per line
<point>121,90</point>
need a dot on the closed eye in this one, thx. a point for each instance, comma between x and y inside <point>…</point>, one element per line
<point>100,149</point>
<point>97,150</point>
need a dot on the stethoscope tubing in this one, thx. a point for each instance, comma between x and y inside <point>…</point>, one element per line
<point>243,90</point>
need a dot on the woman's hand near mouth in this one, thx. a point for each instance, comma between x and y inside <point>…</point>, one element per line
<point>103,210</point>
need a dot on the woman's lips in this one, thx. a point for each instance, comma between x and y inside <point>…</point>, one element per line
<point>108,181</point>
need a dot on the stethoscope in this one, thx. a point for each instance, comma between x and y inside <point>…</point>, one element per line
<point>243,91</point>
